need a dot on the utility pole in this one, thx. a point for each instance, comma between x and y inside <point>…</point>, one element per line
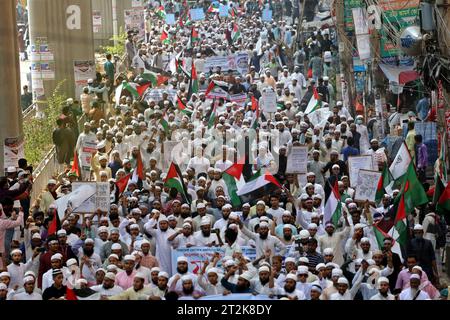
<point>345,57</point>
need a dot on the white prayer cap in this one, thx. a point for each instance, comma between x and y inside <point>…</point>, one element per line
<point>187,225</point>
<point>414,276</point>
<point>303,260</point>
<point>287,213</point>
<point>229,263</point>
<point>260,202</point>
<point>89,241</point>
<point>335,166</point>
<point>309,184</point>
<point>302,270</point>
<point>289,259</point>
<point>51,181</point>
<point>111,267</point>
<point>113,255</point>
<point>336,272</point>
<point>263,224</point>
<point>163,274</point>
<point>320,266</point>
<point>291,276</point>
<point>71,262</point>
<point>102,229</point>
<point>5,274</point>
<point>247,205</point>
<point>155,269</point>
<point>185,278</point>
<point>61,232</point>
<point>162,218</point>
<point>342,280</point>
<point>418,227</point>
<point>28,279</point>
<point>116,246</point>
<point>287,226</point>
<point>56,256</point>
<point>129,257</point>
<point>30,273</point>
<point>359,226</point>
<point>304,196</point>
<point>115,230</point>
<point>110,276</point>
<point>304,234</point>
<point>171,218</point>
<point>328,251</point>
<point>182,259</point>
<point>205,221</point>
<point>382,280</point>
<point>371,262</point>
<point>246,275</point>
<point>201,206</point>
<point>365,240</point>
<point>140,275</point>
<point>263,269</point>
<point>310,174</point>
<point>233,215</point>
<point>315,214</point>
<point>3,286</point>
<point>36,236</point>
<point>312,226</point>
<point>213,270</point>
<point>16,251</point>
<point>417,268</point>
<point>100,269</point>
<point>352,205</point>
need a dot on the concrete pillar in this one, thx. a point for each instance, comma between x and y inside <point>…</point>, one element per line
<point>67,27</point>
<point>10,111</point>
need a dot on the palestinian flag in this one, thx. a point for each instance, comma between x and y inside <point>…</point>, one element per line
<point>142,88</point>
<point>182,107</point>
<point>384,181</point>
<point>54,224</point>
<point>215,84</point>
<point>174,179</point>
<point>399,232</point>
<point>164,36</point>
<point>234,179</point>
<point>333,207</point>
<point>195,37</point>
<point>163,122</point>
<point>75,166</point>
<point>233,12</point>
<point>443,204</point>
<point>122,183</point>
<point>161,12</point>
<point>131,88</point>
<point>214,7</point>
<point>155,79</point>
<point>314,102</point>
<point>412,190</point>
<point>212,116</point>
<point>257,181</point>
<point>380,235</point>
<point>254,103</point>
<point>255,122</point>
<point>70,294</point>
<point>235,33</point>
<point>138,172</point>
<point>194,80</point>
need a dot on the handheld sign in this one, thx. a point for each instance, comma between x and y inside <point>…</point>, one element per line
<point>170,19</point>
<point>197,14</point>
<point>267,15</point>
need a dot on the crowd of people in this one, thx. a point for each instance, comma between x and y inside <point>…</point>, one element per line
<point>165,158</point>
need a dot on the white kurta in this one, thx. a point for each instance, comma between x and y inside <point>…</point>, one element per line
<point>163,247</point>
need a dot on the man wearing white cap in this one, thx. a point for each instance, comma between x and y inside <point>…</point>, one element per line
<point>108,288</point>
<point>136,291</point>
<point>17,268</point>
<point>125,278</point>
<point>343,291</point>
<point>159,291</point>
<point>205,236</point>
<point>212,286</point>
<point>289,288</point>
<point>383,290</point>
<point>29,293</point>
<point>414,292</point>
<point>158,227</point>
<point>263,240</point>
<point>183,238</point>
<point>49,196</point>
<point>201,210</point>
<point>333,239</point>
<point>182,270</point>
<point>264,283</point>
<point>86,139</point>
<point>57,264</point>
<point>89,261</point>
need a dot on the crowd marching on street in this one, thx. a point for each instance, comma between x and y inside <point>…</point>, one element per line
<point>229,158</point>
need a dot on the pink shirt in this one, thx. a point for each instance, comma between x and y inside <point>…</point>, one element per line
<point>124,280</point>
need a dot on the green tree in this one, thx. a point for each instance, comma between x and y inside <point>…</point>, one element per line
<point>119,48</point>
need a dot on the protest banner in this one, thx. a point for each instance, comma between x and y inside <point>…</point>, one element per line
<point>223,11</point>
<point>269,101</point>
<point>367,183</point>
<point>170,19</point>
<point>267,15</point>
<point>297,160</point>
<point>196,256</point>
<point>197,14</point>
<point>355,164</point>
<point>98,199</point>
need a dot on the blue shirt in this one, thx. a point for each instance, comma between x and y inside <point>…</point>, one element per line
<point>349,151</point>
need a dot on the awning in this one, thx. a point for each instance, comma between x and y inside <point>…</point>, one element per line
<point>400,75</point>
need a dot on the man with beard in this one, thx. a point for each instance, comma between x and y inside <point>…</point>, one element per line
<point>159,291</point>
<point>334,239</point>
<point>114,239</point>
<point>89,261</point>
<point>289,289</point>
<point>286,237</point>
<point>56,264</point>
<point>188,288</point>
<point>183,238</point>
<point>213,286</point>
<point>201,210</point>
<point>413,292</point>
<point>343,291</point>
<point>243,282</point>
<point>222,222</point>
<point>383,290</point>
<point>120,146</point>
<point>286,220</point>
<point>205,237</point>
<point>29,290</point>
<point>182,270</point>
<point>148,260</point>
<point>264,284</point>
<point>108,287</point>
<point>158,227</point>
<point>153,277</point>
<point>263,240</point>
<point>103,162</point>
<point>134,292</point>
<point>101,239</point>
<point>125,278</point>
